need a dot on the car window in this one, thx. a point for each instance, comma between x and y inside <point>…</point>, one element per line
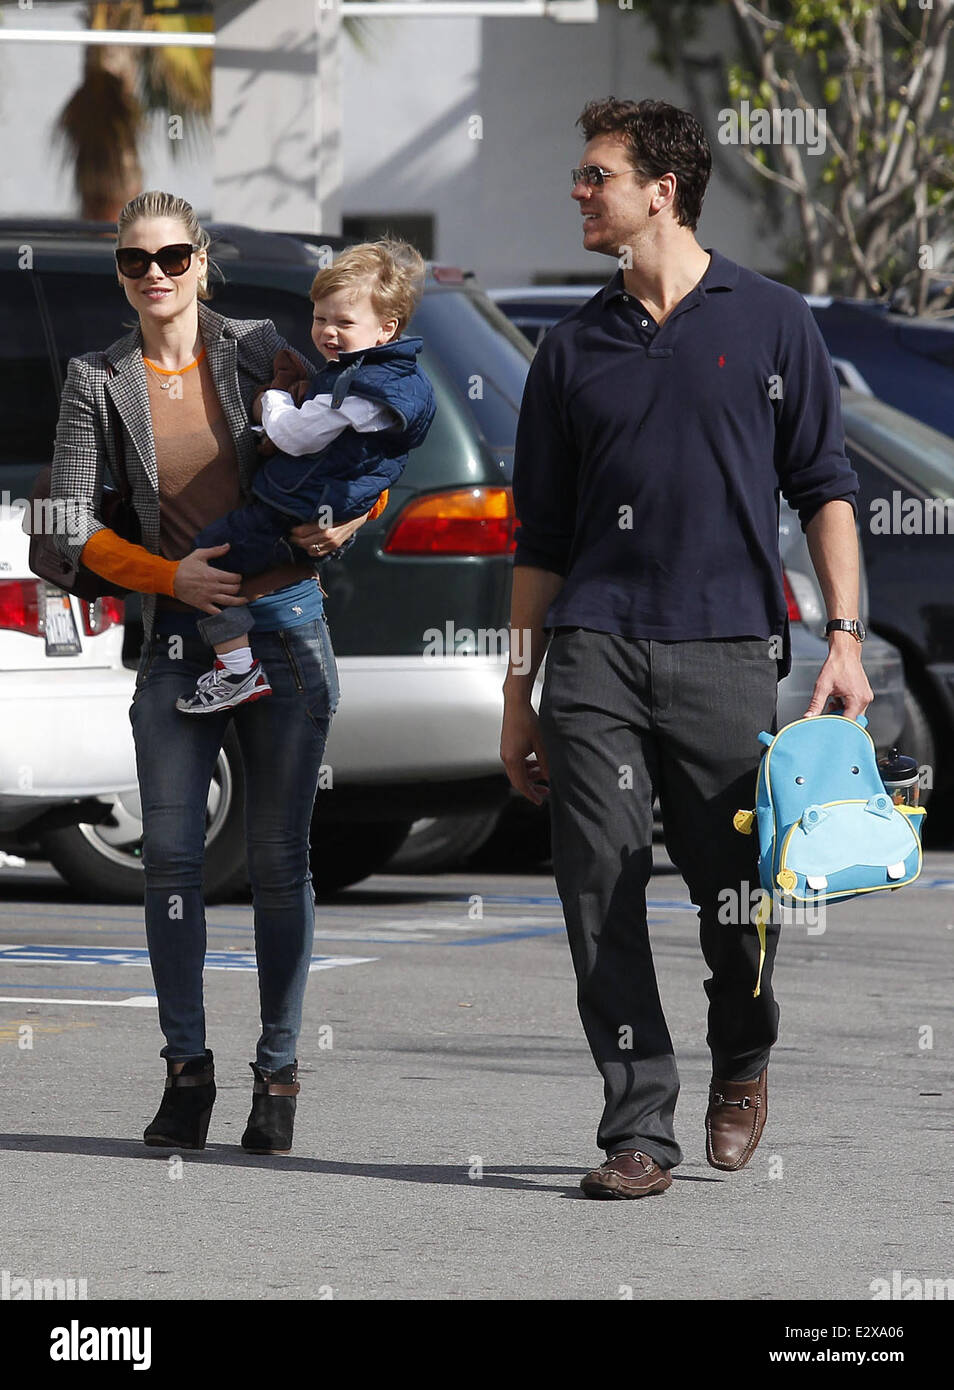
<point>289,311</point>
<point>88,312</point>
<point>29,403</point>
<point>483,354</point>
<point>916,451</point>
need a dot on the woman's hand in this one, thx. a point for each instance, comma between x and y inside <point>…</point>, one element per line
<point>200,585</point>
<point>321,540</point>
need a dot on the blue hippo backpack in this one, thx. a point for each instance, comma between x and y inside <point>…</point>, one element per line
<point>827,828</point>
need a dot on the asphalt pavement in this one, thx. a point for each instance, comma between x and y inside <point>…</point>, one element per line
<point>449,1107</point>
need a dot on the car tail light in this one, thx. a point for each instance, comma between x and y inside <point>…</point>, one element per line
<point>20,608</point>
<point>101,614</point>
<point>468,521</point>
<point>794,612</point>
<point>448,274</point>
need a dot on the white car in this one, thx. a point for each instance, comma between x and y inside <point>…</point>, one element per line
<point>64,693</point>
<point>67,760</point>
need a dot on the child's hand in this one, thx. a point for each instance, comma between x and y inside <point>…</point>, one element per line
<point>289,375</point>
<point>288,371</point>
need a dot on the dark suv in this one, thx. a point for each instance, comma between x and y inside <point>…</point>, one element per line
<point>418,606</point>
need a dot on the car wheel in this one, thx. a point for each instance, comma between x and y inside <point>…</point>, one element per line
<point>343,853</point>
<point>520,842</point>
<point>104,862</point>
<point>916,739</point>
<point>442,842</point>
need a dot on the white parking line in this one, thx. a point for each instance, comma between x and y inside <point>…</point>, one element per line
<point>135,1001</point>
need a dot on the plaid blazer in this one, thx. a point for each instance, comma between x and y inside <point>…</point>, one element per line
<point>240,354</point>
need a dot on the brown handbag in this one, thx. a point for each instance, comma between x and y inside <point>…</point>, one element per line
<point>116,511</point>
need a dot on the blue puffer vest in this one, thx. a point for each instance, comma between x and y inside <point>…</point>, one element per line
<point>352,472</point>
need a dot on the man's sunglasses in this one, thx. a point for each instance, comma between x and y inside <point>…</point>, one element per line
<point>594,176</point>
<point>133,262</point>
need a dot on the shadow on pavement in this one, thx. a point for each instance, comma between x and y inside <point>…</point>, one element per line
<point>218,1155</point>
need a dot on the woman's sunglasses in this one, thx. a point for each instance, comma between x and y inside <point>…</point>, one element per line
<point>133,262</point>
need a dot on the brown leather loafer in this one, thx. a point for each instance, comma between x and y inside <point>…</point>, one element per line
<point>628,1173</point>
<point>734,1120</point>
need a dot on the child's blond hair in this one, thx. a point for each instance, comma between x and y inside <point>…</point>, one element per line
<point>392,270</point>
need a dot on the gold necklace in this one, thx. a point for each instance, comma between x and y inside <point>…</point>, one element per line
<point>180,371</point>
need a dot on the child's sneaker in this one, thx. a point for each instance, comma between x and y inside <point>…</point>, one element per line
<point>217,690</point>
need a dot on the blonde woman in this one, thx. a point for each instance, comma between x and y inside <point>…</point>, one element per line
<point>190,455</point>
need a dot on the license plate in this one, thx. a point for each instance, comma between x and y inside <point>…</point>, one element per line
<point>62,639</point>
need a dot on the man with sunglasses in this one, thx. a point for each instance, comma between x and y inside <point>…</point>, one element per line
<point>658,423</point>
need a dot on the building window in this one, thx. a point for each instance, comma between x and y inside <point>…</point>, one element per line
<point>415,227</point>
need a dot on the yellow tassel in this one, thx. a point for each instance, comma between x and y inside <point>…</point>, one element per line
<point>760,928</point>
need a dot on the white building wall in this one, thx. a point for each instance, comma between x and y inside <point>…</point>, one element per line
<point>502,203</point>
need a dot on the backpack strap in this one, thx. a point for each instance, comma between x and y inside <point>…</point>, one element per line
<point>761,917</point>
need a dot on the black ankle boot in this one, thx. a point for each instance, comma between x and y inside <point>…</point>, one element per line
<point>272,1121</point>
<point>182,1120</point>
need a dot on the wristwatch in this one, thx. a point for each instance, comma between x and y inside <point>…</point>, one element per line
<point>853,625</point>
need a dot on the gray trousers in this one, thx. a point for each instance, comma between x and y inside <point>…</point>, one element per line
<point>623,719</point>
<point>222,627</point>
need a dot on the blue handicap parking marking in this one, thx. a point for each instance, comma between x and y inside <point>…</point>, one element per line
<point>138,955</point>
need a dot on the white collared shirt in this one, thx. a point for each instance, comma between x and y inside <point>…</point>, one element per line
<point>309,428</point>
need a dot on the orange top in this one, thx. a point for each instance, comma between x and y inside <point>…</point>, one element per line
<point>379,506</point>
<point>131,566</point>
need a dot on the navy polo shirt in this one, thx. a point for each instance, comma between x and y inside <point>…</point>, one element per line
<point>649,460</point>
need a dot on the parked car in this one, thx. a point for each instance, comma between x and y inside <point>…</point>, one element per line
<point>67,762</point>
<point>418,606</point>
<point>906,508</point>
<point>906,361</point>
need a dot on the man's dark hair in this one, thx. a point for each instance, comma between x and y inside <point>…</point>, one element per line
<point>661,139</point>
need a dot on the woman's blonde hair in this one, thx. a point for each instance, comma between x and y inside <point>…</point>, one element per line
<point>157,204</point>
<point>392,270</point>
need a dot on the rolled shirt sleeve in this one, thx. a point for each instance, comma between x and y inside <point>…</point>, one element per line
<point>810,457</point>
